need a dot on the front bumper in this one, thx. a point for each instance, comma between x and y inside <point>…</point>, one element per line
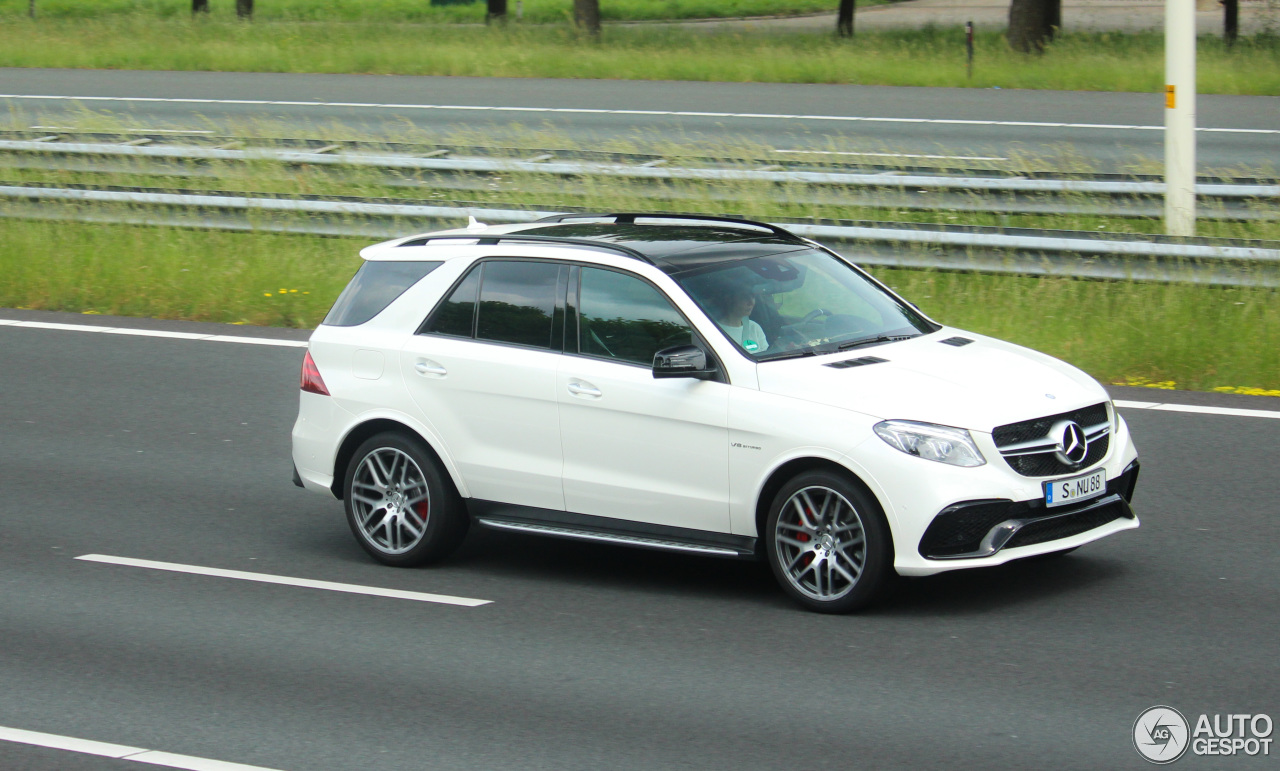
<point>980,529</point>
<point>913,502</point>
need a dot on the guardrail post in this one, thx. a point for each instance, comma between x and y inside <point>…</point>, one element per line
<point>968,46</point>
<point>1180,117</point>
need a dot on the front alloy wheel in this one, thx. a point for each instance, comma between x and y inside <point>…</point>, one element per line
<point>828,543</point>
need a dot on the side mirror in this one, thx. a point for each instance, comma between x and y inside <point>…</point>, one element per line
<point>682,361</point>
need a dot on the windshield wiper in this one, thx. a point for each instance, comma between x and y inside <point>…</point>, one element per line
<point>787,355</point>
<point>876,340</point>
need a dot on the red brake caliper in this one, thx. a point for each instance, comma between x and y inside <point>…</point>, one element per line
<point>804,538</point>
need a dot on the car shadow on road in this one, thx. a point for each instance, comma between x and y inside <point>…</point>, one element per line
<point>568,564</point>
<point>1029,581</point>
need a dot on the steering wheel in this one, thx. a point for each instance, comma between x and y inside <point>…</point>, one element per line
<point>813,314</point>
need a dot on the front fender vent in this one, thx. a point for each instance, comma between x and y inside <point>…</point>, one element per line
<point>861,362</point>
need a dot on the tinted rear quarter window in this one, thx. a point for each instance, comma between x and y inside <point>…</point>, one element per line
<point>375,286</point>
<point>456,315</point>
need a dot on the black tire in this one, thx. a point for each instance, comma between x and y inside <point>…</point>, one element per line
<point>401,506</point>
<point>821,525</point>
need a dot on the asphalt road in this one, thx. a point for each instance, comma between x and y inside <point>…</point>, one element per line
<point>986,123</point>
<point>588,657</point>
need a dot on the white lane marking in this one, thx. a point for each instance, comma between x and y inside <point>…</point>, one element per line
<point>267,578</point>
<point>157,333</point>
<point>591,111</point>
<point>120,751</point>
<point>1199,410</point>
<point>128,131</point>
<point>897,155</point>
<point>1232,411</point>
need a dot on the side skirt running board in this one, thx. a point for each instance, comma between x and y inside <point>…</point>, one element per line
<point>585,527</point>
<point>624,540</point>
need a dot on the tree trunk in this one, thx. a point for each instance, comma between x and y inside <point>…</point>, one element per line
<point>31,8</point>
<point>244,9</point>
<point>844,18</point>
<point>586,16</point>
<point>1230,21</point>
<point>497,11</point>
<point>1032,23</point>
<point>199,6</point>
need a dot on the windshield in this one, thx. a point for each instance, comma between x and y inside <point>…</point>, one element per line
<point>799,304</point>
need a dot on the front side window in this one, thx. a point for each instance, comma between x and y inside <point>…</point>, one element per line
<point>623,318</point>
<point>799,303</point>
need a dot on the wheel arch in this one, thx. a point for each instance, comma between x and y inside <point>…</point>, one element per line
<point>377,425</point>
<point>793,468</point>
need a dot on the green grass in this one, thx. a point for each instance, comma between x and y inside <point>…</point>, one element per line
<point>1195,337</point>
<point>930,57</point>
<point>413,10</point>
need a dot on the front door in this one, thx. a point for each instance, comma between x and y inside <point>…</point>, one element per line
<point>637,448</point>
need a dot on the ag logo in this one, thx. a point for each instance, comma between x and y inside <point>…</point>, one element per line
<point>1160,735</point>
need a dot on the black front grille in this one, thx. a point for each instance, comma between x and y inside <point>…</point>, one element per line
<point>1067,525</point>
<point>1039,427</point>
<point>1046,464</point>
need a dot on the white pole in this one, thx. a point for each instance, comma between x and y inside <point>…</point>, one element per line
<point>1180,117</point>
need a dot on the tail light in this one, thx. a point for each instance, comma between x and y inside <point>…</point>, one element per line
<point>312,383</point>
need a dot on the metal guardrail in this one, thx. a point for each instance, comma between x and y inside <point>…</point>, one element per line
<point>990,250</point>
<point>891,188</point>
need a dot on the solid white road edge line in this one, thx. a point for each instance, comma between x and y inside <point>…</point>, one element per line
<point>120,751</point>
<point>1230,411</point>
<point>590,111</point>
<point>156,333</point>
<point>1197,409</point>
<point>267,578</point>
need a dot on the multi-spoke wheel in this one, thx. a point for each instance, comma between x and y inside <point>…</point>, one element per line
<point>827,542</point>
<point>399,505</point>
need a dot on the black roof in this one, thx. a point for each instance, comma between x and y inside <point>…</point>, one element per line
<point>677,248</point>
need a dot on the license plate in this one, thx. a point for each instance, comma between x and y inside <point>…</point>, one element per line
<point>1060,492</point>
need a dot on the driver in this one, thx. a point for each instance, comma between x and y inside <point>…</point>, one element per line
<point>732,303</point>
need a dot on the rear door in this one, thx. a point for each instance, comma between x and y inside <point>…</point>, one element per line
<point>483,370</point>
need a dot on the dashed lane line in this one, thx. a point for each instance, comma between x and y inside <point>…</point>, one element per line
<point>120,751</point>
<point>594,111</point>
<point>267,578</point>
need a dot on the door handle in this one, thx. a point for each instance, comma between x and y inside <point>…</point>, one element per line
<point>579,388</point>
<point>429,367</point>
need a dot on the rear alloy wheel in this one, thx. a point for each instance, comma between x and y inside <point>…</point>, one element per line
<point>828,543</point>
<point>399,505</point>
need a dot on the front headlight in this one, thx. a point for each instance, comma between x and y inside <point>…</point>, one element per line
<point>925,440</point>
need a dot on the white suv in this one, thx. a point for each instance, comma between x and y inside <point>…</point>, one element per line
<point>697,384</point>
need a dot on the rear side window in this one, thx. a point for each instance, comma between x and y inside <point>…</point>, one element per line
<point>375,286</point>
<point>517,302</point>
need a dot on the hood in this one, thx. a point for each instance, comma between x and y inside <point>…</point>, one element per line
<point>978,386</point>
